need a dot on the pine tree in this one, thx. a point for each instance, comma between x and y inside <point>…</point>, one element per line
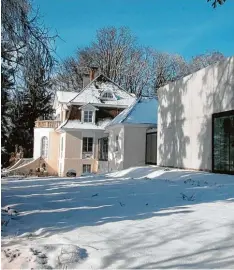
<point>33,101</point>
<point>6,89</point>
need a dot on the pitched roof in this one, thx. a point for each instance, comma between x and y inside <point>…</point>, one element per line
<point>142,111</point>
<point>65,96</point>
<point>93,91</point>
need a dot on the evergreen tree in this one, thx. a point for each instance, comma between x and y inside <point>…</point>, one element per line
<point>6,91</point>
<point>32,102</point>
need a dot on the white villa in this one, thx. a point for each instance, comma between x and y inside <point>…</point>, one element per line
<point>77,140</point>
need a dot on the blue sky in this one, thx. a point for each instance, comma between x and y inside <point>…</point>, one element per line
<point>187,27</point>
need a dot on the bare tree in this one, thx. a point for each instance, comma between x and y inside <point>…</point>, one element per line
<point>27,63</point>
<point>69,76</point>
<point>216,2</point>
<point>116,54</point>
<point>139,70</point>
<point>204,60</point>
<point>168,68</point>
<point>21,29</point>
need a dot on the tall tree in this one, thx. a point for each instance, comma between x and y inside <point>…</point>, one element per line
<point>117,55</point>
<point>216,2</point>
<point>24,39</point>
<point>168,67</point>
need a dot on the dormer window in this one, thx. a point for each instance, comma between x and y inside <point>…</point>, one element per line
<point>88,113</point>
<point>108,95</point>
<point>88,116</point>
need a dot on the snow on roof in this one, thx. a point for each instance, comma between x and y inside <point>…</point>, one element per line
<point>77,124</point>
<point>142,111</point>
<point>65,96</point>
<point>92,93</point>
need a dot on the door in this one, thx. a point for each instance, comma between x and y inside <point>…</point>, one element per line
<point>151,148</point>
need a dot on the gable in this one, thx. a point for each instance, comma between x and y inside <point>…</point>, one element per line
<point>93,92</point>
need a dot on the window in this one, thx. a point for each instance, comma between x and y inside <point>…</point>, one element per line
<point>88,116</point>
<point>107,95</point>
<point>103,149</point>
<point>87,144</point>
<point>117,143</point>
<point>44,147</point>
<point>86,168</point>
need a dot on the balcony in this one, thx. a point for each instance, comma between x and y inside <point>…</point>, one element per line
<point>47,123</point>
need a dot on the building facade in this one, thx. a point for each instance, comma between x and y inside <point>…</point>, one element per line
<point>196,120</point>
<point>70,142</point>
<point>128,143</point>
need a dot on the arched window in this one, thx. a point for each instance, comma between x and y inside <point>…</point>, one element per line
<point>44,147</point>
<point>107,95</point>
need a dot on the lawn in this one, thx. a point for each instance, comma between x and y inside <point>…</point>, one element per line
<point>143,217</point>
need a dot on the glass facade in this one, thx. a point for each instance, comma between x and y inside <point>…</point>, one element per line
<point>223,142</point>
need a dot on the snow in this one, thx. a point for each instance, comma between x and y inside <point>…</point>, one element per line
<point>93,91</point>
<point>142,217</point>
<point>142,111</point>
<point>77,124</point>
<point>65,96</point>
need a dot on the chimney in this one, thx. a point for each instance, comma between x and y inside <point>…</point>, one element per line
<point>93,72</point>
<point>88,77</point>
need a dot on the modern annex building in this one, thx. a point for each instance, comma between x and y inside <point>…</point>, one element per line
<point>196,120</point>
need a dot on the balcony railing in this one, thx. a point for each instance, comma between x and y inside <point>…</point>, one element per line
<point>47,123</point>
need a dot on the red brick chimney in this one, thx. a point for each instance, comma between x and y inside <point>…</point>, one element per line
<point>93,72</point>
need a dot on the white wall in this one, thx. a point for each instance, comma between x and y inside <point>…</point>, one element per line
<point>73,158</point>
<point>184,115</point>
<point>116,158</point>
<point>38,134</point>
<point>134,146</point>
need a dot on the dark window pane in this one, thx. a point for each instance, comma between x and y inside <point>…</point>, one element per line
<point>86,168</point>
<point>87,144</point>
<point>151,148</point>
<point>223,142</point>
<point>103,149</point>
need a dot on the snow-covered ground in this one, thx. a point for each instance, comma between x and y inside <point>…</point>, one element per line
<point>143,217</point>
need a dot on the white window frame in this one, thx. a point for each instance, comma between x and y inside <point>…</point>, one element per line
<point>108,98</point>
<point>86,166</point>
<point>44,146</point>
<point>88,116</point>
<point>87,144</point>
<point>89,112</point>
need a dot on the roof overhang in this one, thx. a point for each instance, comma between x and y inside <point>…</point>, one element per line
<point>131,125</point>
<point>89,107</point>
<point>100,105</point>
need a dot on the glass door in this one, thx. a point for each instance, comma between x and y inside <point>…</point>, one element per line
<point>223,142</point>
